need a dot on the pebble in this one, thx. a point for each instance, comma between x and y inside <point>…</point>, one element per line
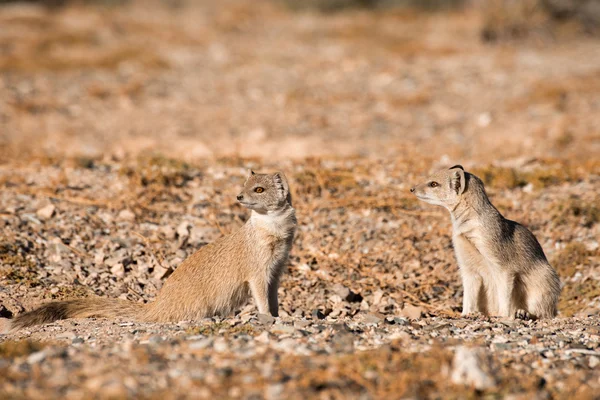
<point>126,215</point>
<point>468,369</point>
<point>36,357</point>
<point>45,213</point>
<point>266,319</point>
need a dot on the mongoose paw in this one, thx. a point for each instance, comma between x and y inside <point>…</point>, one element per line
<point>475,315</point>
<point>524,315</point>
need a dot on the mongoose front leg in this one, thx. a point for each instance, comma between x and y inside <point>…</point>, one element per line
<point>504,286</point>
<point>260,292</point>
<point>273,300</point>
<point>472,285</point>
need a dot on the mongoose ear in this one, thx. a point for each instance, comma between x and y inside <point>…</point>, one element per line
<point>457,166</point>
<point>458,180</point>
<point>250,173</point>
<point>282,183</point>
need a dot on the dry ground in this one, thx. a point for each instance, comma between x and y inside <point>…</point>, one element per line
<point>125,135</point>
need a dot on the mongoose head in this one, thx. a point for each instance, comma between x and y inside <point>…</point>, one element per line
<point>265,192</point>
<point>444,188</point>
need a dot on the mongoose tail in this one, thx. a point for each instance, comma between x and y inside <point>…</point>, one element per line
<point>77,308</point>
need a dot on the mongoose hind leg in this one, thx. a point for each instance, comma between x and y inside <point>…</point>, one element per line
<point>504,291</point>
<point>472,292</point>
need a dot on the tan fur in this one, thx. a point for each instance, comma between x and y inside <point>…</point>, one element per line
<point>503,268</point>
<point>215,280</point>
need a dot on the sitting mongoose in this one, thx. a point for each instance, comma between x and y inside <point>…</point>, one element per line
<point>503,267</point>
<point>216,279</point>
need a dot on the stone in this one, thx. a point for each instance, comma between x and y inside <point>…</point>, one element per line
<point>36,357</point>
<point>468,368</point>
<point>118,270</point>
<point>45,213</point>
<point>183,229</point>
<point>280,329</point>
<point>126,215</point>
<point>266,319</point>
<point>410,311</point>
<point>372,318</point>
<point>317,314</point>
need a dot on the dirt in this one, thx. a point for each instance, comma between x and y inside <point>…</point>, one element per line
<point>128,131</point>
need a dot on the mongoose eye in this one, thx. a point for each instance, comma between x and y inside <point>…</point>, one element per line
<point>259,190</point>
<point>433,184</point>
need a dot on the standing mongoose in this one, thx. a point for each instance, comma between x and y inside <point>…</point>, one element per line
<point>503,267</point>
<point>216,279</point>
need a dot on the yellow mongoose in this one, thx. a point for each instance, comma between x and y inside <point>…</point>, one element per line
<point>503,267</point>
<point>216,279</point>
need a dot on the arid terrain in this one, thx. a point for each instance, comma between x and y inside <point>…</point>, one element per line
<point>126,132</point>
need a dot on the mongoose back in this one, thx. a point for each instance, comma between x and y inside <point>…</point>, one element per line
<point>215,280</point>
<point>503,268</point>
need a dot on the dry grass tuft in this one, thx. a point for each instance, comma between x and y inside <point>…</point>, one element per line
<point>540,177</point>
<point>223,329</point>
<point>16,268</point>
<point>572,256</point>
<point>159,170</point>
<point>499,177</point>
<point>68,292</point>
<point>575,209</point>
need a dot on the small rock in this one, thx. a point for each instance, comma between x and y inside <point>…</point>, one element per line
<point>183,229</point>
<point>161,273</point>
<point>266,319</point>
<point>31,218</point>
<point>372,318</point>
<point>317,314</point>
<point>346,294</point>
<point>200,344</point>
<point>263,338</point>
<point>66,335</point>
<point>274,391</point>
<point>77,340</point>
<point>377,297</point>
<point>401,321</point>
<point>126,215</point>
<point>301,324</point>
<point>594,362</point>
<point>220,345</point>
<point>280,329</point>
<point>168,232</point>
<point>468,369</point>
<point>118,270</point>
<point>5,325</point>
<point>410,311</point>
<point>46,212</point>
<point>343,342</point>
<point>36,357</point>
<point>156,339</point>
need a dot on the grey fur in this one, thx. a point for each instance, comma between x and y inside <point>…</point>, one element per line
<point>503,267</point>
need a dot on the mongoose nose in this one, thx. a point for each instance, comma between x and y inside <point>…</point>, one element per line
<point>412,190</point>
<point>240,197</point>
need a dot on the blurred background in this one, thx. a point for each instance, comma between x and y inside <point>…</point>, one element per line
<point>282,79</point>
